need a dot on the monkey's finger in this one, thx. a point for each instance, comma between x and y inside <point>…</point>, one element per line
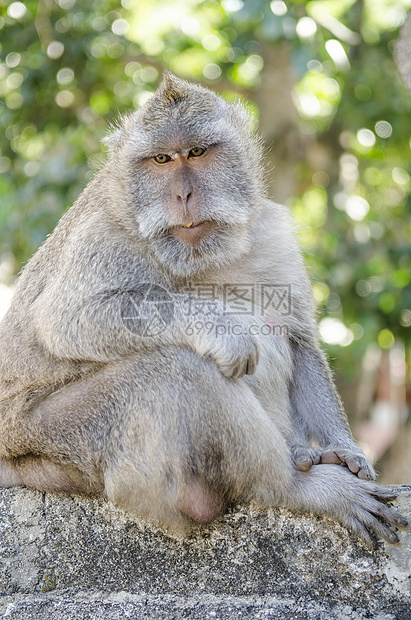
<point>356,463</point>
<point>252,362</point>
<point>373,518</point>
<point>374,504</point>
<point>316,459</point>
<point>355,468</point>
<point>402,522</point>
<point>331,457</point>
<point>305,457</point>
<point>304,464</point>
<point>380,529</point>
<point>238,369</point>
<point>363,474</point>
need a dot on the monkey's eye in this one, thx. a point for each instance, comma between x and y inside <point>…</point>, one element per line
<point>162,158</point>
<point>197,151</point>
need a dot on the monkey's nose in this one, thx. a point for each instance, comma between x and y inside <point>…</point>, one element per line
<point>184,197</point>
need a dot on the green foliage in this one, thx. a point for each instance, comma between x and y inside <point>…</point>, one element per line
<point>68,66</point>
<point>64,72</point>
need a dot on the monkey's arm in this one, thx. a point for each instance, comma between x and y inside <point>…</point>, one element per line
<point>318,414</point>
<point>114,324</point>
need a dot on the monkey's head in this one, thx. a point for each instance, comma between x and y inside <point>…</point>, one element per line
<point>190,176</point>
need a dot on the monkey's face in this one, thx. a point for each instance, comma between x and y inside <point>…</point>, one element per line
<point>186,192</point>
<point>193,170</point>
<point>194,204</point>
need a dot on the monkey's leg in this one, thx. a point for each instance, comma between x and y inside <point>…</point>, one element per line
<point>171,439</point>
<point>217,444</point>
<point>192,440</point>
<point>40,473</point>
<point>318,414</point>
<point>200,440</point>
<point>59,445</point>
<point>9,476</point>
<point>164,433</point>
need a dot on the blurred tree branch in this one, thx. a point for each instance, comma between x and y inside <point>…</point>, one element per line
<point>403,52</point>
<point>43,23</point>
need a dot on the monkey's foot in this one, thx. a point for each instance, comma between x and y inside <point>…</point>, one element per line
<point>360,505</point>
<point>306,456</point>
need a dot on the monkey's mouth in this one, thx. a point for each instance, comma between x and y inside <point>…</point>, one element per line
<point>192,233</point>
<point>192,224</point>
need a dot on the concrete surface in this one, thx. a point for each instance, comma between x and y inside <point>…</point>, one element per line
<point>68,557</point>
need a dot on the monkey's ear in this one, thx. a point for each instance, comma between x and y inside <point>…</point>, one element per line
<point>118,129</point>
<point>113,140</point>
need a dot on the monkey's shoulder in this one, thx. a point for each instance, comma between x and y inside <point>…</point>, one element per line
<point>84,258</point>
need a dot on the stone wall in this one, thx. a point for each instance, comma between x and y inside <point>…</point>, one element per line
<point>67,557</point>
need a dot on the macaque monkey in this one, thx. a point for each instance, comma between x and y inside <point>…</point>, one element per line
<point>161,346</point>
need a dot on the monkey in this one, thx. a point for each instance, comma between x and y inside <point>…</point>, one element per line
<point>161,346</point>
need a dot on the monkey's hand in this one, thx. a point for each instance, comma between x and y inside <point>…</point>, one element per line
<point>306,456</point>
<point>235,355</point>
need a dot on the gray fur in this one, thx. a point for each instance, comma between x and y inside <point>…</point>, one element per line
<point>174,425</point>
